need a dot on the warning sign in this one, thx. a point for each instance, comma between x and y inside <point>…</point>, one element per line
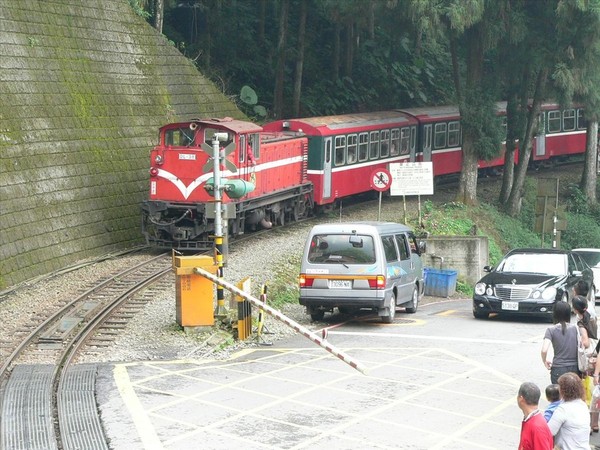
<point>414,178</point>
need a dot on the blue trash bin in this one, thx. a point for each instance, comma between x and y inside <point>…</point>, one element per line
<point>439,282</point>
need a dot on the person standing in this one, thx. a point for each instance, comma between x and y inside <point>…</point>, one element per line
<point>588,331</point>
<point>535,433</point>
<point>563,338</point>
<point>570,423</point>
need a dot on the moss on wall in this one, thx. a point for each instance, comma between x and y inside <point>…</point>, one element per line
<point>84,88</point>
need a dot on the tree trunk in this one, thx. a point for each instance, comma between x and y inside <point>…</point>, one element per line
<point>589,175</point>
<point>508,174</point>
<point>159,12</point>
<point>372,20</point>
<point>261,21</point>
<point>280,72</point>
<point>299,59</point>
<point>510,148</point>
<point>513,207</point>
<point>335,60</point>
<point>349,59</point>
<point>467,184</point>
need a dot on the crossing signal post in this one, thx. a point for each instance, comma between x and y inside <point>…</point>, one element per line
<point>235,188</point>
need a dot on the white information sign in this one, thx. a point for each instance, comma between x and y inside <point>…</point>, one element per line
<point>413,178</point>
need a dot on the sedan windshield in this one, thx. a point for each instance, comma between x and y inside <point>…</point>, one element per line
<point>545,263</point>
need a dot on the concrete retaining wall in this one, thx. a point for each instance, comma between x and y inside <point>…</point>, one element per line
<point>465,254</point>
<point>84,87</point>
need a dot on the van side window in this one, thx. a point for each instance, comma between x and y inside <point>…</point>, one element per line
<point>402,246</point>
<point>412,241</point>
<point>389,248</point>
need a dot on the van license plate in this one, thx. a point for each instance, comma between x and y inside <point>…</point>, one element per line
<point>510,306</point>
<point>340,284</point>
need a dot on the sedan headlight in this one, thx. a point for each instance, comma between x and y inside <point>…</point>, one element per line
<point>549,293</point>
<point>480,288</point>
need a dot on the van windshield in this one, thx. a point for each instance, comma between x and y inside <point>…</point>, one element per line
<point>341,248</point>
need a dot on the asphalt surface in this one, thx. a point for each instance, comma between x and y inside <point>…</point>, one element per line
<point>420,392</point>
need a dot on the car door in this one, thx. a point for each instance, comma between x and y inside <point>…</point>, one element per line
<point>576,272</point>
<point>394,270</point>
<point>406,265</point>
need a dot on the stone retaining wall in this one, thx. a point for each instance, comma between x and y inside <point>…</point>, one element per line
<point>84,87</point>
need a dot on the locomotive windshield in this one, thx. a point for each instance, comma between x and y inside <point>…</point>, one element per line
<point>179,137</point>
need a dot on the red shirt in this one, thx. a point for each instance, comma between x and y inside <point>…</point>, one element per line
<point>535,434</point>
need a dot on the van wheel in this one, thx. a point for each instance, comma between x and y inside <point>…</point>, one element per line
<point>415,302</point>
<point>391,311</point>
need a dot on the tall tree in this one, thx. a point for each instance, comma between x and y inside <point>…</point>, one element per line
<point>280,71</point>
<point>159,12</point>
<point>579,76</point>
<point>299,58</point>
<point>470,26</point>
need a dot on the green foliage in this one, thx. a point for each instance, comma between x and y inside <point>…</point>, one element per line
<point>582,232</point>
<point>138,8</point>
<point>284,287</point>
<point>464,288</point>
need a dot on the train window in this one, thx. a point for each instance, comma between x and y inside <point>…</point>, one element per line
<point>395,142</point>
<point>413,138</point>
<point>352,148</point>
<point>363,146</point>
<point>568,120</point>
<point>374,145</point>
<point>439,135</point>
<point>253,149</point>
<point>404,141</point>
<point>179,137</point>
<point>581,122</point>
<point>385,143</point>
<point>553,121</point>
<point>340,150</point>
<point>453,134</point>
<point>242,155</point>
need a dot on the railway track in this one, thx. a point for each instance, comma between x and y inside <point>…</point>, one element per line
<point>51,405</point>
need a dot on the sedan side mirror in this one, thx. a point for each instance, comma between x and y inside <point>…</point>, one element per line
<point>487,268</point>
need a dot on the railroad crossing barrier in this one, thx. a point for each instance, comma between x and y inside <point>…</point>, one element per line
<point>244,308</point>
<point>296,326</point>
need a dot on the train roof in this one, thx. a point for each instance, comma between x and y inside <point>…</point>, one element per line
<point>226,123</point>
<point>325,125</point>
<point>434,113</point>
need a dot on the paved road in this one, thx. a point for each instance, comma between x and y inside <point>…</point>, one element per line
<point>437,379</point>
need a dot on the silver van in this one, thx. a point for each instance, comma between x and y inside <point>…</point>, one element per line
<point>357,265</point>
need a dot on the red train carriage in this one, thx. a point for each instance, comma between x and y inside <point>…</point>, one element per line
<point>440,138</point>
<point>178,213</point>
<point>344,150</point>
<point>561,133</point>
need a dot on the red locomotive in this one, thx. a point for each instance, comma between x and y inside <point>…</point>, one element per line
<point>180,211</point>
<point>302,165</point>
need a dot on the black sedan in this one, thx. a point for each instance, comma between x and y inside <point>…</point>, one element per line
<point>528,282</point>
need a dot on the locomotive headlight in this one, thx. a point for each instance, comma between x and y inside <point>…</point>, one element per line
<point>153,172</point>
<point>480,288</point>
<point>158,159</point>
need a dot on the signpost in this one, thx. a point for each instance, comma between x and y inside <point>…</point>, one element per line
<point>412,178</point>
<point>381,180</point>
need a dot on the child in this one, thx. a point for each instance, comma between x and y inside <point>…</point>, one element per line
<point>553,396</point>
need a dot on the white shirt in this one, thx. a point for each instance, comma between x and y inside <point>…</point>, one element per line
<point>570,425</point>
